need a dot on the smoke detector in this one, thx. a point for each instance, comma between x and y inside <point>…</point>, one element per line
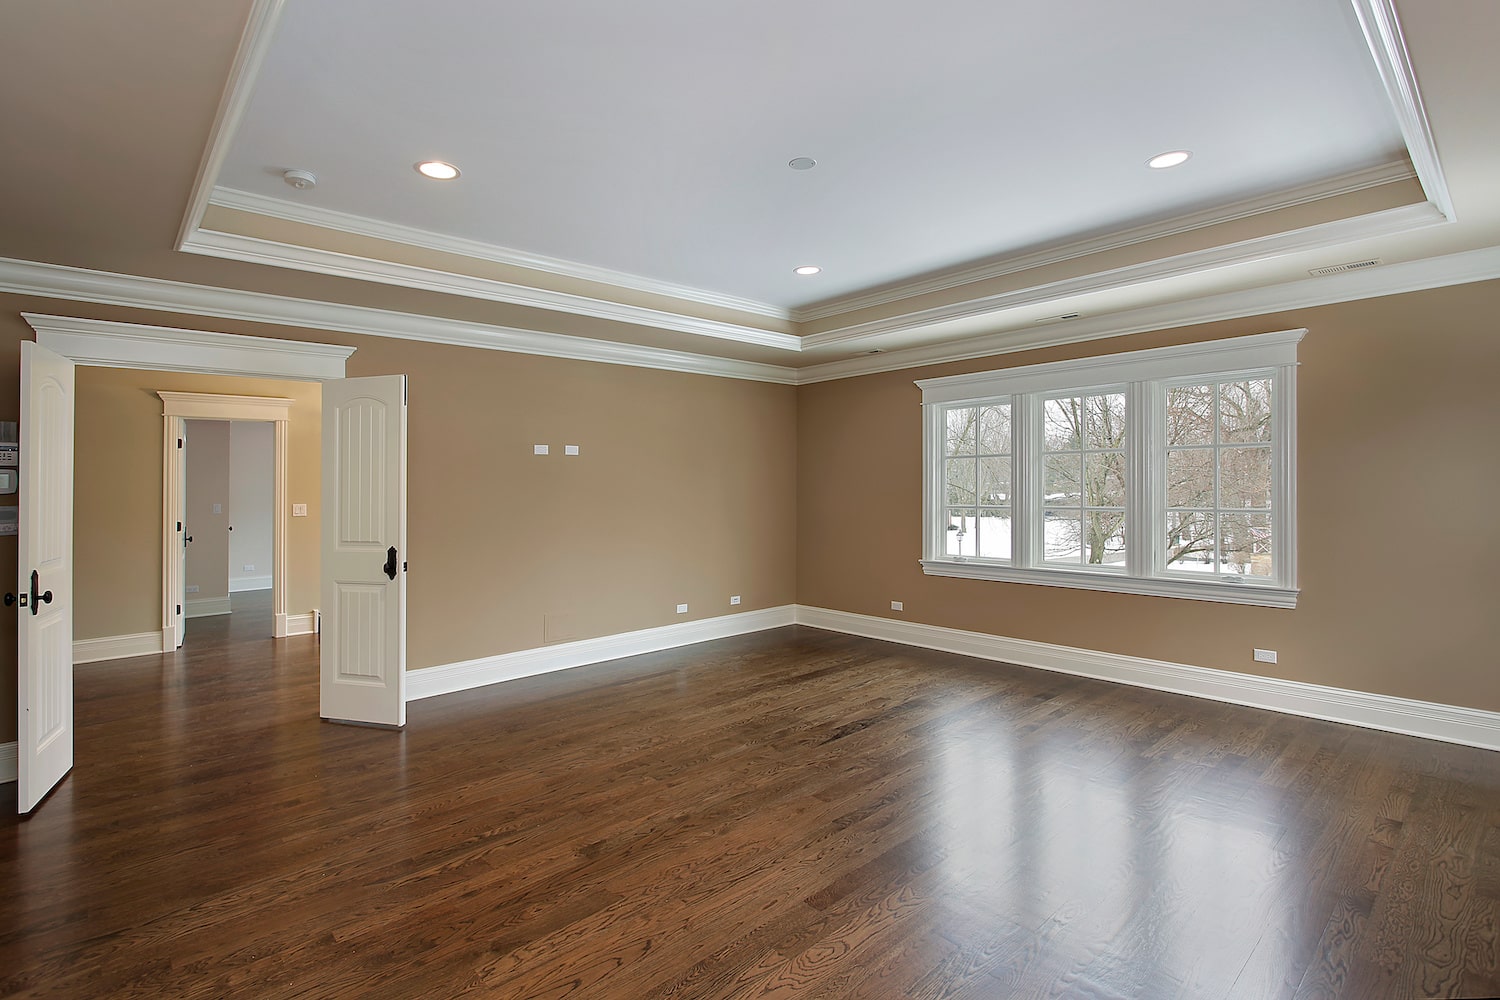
<point>302,180</point>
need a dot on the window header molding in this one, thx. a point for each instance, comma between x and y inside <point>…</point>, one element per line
<point>1261,350</point>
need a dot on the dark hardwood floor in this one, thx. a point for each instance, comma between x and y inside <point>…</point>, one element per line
<point>789,814</point>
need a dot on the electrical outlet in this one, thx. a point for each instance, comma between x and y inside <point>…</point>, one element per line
<point>539,449</point>
<point>247,568</point>
<point>570,449</point>
<point>734,600</point>
<point>192,588</point>
<point>898,606</point>
<point>682,609</point>
<point>218,508</point>
<point>1265,656</point>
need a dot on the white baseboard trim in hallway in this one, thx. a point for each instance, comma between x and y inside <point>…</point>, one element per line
<point>207,607</point>
<point>1449,723</point>
<point>432,681</point>
<point>242,584</point>
<point>306,624</point>
<point>7,762</point>
<point>116,647</point>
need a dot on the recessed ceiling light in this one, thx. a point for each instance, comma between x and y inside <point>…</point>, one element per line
<point>807,269</point>
<point>1175,158</point>
<point>802,163</point>
<point>437,170</point>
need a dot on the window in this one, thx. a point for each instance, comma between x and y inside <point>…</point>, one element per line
<point>1166,472</point>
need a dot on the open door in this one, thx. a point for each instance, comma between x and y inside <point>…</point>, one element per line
<point>363,645</point>
<point>44,590</point>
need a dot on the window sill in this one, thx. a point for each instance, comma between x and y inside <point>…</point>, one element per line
<point>1194,590</point>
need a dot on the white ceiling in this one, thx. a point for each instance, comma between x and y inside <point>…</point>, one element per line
<point>652,137</point>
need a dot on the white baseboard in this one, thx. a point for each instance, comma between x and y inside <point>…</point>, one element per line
<point>7,762</point>
<point>241,584</point>
<point>1449,723</point>
<point>206,607</point>
<point>297,624</point>
<point>116,647</point>
<point>446,679</point>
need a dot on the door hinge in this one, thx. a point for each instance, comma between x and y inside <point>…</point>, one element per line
<point>179,525</point>
<point>179,609</point>
<point>179,442</point>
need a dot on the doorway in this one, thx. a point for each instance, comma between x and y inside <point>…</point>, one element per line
<point>229,551</point>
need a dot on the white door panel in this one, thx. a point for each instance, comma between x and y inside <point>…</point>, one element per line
<point>363,644</point>
<point>44,588</point>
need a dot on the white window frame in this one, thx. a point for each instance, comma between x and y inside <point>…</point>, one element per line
<point>1144,375</point>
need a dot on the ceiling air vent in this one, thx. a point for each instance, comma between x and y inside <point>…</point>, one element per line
<point>1319,272</point>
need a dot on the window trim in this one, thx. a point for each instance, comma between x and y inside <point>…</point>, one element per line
<point>1144,375</point>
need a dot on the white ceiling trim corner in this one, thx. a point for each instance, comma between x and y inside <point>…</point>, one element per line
<point>255,42</point>
<point>1387,43</point>
<point>1407,218</point>
<point>1350,183</point>
<point>57,281</point>
<point>255,250</point>
<point>359,225</point>
<point>114,344</point>
<point>1391,279</point>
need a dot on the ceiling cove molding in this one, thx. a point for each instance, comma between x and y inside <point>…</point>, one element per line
<point>111,344</point>
<point>1375,282</point>
<point>359,225</point>
<point>1405,219</point>
<point>258,251</point>
<point>1387,44</point>
<point>255,42</point>
<point>1350,183</point>
<point>57,281</point>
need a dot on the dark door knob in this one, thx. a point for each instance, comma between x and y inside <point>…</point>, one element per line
<point>390,562</point>
<point>10,599</point>
<point>37,600</point>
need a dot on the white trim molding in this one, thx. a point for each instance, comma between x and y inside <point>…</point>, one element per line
<point>116,647</point>
<point>8,762</point>
<point>219,406</point>
<point>111,344</point>
<point>232,246</point>
<point>360,225</point>
<point>207,607</point>
<point>1387,44</point>
<point>449,678</point>
<point>57,281</point>
<point>303,624</point>
<point>1429,720</point>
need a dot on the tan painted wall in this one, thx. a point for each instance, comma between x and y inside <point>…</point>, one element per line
<point>1398,421</point>
<point>207,484</point>
<point>117,495</point>
<point>685,492</point>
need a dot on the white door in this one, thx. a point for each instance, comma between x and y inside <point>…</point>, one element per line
<point>44,594</point>
<point>179,603</point>
<point>363,645</point>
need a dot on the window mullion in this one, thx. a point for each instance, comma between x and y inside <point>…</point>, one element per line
<point>1026,458</point>
<point>1143,468</point>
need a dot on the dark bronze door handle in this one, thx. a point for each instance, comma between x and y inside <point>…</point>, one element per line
<point>390,562</point>
<point>38,599</point>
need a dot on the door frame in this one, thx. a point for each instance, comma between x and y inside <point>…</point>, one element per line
<point>178,407</point>
<point>112,344</point>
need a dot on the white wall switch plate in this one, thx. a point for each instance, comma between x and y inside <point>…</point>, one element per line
<point>570,449</point>
<point>192,588</point>
<point>1265,656</point>
<point>734,600</point>
<point>682,609</point>
<point>539,449</point>
<point>898,606</point>
<point>218,508</point>
<point>247,568</point>
<point>299,510</point>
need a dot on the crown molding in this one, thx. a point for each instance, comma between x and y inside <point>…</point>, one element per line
<point>255,42</point>
<point>359,225</point>
<point>1405,219</point>
<point>111,344</point>
<point>1360,180</point>
<point>251,249</point>
<point>223,406</point>
<point>1387,44</point>
<point>1375,282</point>
<point>58,281</point>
